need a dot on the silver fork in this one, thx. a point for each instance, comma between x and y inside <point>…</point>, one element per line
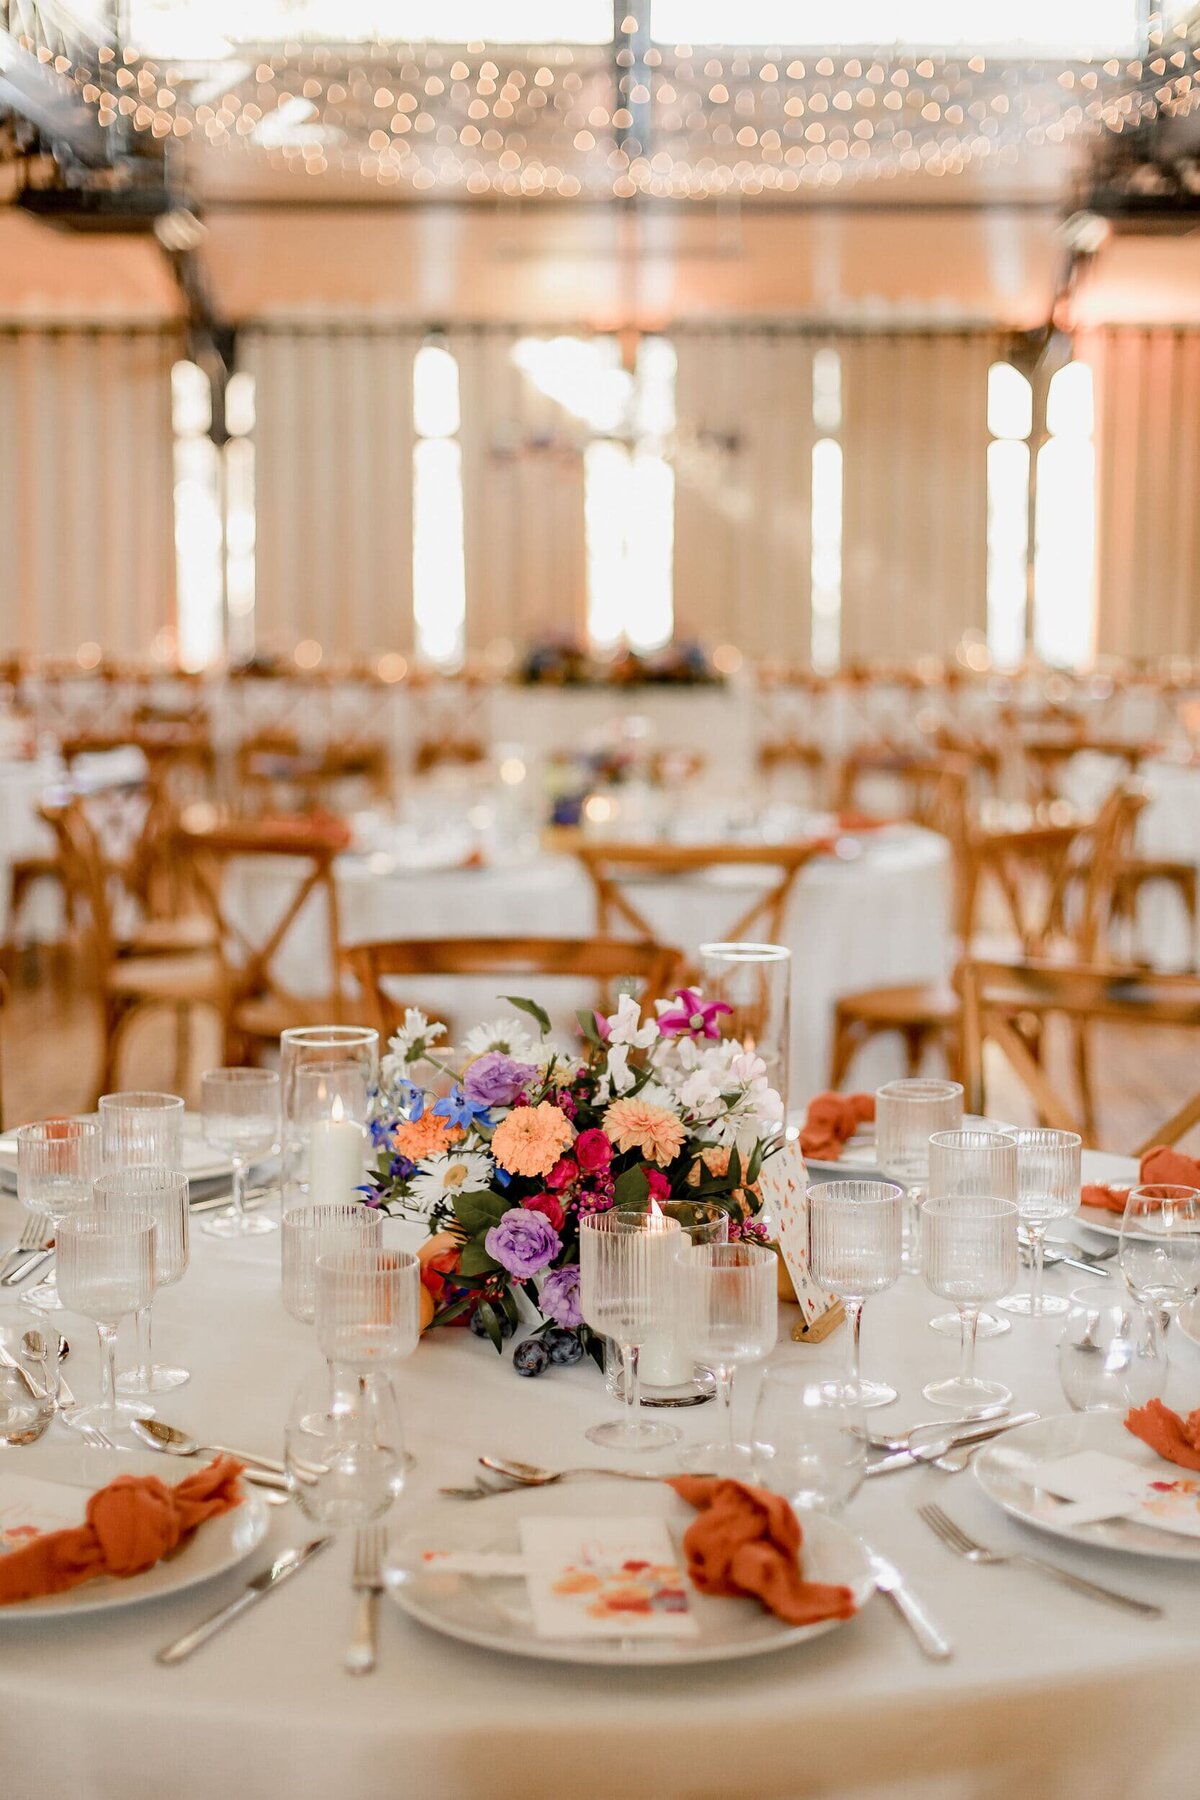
<point>367,1583</point>
<point>956,1539</point>
<point>35,1234</point>
<point>92,1434</point>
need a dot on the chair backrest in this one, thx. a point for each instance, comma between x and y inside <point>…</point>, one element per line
<point>1007,1004</point>
<point>1094,866</point>
<point>312,845</point>
<point>608,961</point>
<point>85,878</point>
<point>609,866</point>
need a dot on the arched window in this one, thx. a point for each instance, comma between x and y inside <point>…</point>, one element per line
<point>214,519</point>
<point>439,560</point>
<point>1010,424</point>
<point>1064,555</point>
<point>826,536</point>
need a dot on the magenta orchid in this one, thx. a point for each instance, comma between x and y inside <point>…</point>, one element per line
<point>693,1017</point>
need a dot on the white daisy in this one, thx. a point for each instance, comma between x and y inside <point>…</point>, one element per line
<point>508,1036</point>
<point>414,1039</point>
<point>449,1173</point>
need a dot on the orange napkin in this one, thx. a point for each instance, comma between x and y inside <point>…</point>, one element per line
<point>831,1120</point>
<point>1174,1438</point>
<point>1171,1167</point>
<point>131,1524</point>
<point>746,1542</point>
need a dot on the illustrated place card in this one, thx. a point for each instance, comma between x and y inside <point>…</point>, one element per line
<point>605,1578</point>
<point>1099,1486</point>
<point>783,1185</point>
<point>29,1508</point>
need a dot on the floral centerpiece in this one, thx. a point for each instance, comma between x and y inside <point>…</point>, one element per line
<point>505,1146</point>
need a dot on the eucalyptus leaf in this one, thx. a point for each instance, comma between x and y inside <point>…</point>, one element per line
<point>532,1010</point>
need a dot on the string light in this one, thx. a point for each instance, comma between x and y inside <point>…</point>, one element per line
<point>561,120</point>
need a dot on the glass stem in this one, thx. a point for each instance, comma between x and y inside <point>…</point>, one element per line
<point>970,1326</point>
<point>631,1383</point>
<point>145,1348</point>
<point>854,1311</point>
<point>724,1374</point>
<point>1037,1253</point>
<point>238,1188</point>
<point>108,1364</point>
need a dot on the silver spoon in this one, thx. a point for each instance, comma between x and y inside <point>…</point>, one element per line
<point>530,1475</point>
<point>879,1440</point>
<point>174,1442</point>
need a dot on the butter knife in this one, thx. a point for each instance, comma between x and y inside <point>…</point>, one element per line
<point>889,1581</point>
<point>951,1440</point>
<point>29,1265</point>
<point>286,1564</point>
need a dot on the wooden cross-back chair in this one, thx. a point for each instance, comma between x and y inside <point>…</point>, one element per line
<point>609,962</point>
<point>1008,1003</point>
<point>165,963</point>
<point>258,1003</point>
<point>611,866</point>
<point>272,767</point>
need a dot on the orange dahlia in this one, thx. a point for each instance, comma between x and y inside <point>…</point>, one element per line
<point>654,1130</point>
<point>425,1136</point>
<point>532,1138</point>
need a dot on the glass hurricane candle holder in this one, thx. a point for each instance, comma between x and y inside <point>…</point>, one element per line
<point>346,1058</point>
<point>668,1371</point>
<point>332,1100</point>
<point>755,982</point>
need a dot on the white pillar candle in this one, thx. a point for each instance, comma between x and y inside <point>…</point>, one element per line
<point>662,1360</point>
<point>335,1156</point>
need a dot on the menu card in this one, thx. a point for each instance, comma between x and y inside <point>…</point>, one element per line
<point>605,1578</point>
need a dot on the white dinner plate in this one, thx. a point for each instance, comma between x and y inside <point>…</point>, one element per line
<point>200,1161</point>
<point>1004,1470</point>
<point>219,1544</point>
<point>494,1612</point>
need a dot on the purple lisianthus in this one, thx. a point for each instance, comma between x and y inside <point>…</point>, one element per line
<point>523,1242</point>
<point>497,1080</point>
<point>559,1298</point>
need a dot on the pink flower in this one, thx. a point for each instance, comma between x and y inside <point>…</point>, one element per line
<point>693,1017</point>
<point>593,1151</point>
<point>546,1204</point>
<point>660,1186</point>
<point>561,1175</point>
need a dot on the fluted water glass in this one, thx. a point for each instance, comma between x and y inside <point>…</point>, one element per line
<point>1160,1246</point>
<point>728,1302</point>
<point>970,1258</point>
<point>106,1272</point>
<point>141,1129</point>
<point>367,1306</point>
<point>626,1289</point>
<point>1048,1188</point>
<point>311,1231</point>
<point>57,1162</point>
<point>855,1235</point>
<point>907,1114</point>
<point>164,1194</point>
<point>978,1158</point>
<point>241,1117</point>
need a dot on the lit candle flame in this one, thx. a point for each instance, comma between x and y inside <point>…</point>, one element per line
<point>337,1110</point>
<point>656,1216</point>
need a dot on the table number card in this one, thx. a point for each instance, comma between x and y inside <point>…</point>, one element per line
<point>605,1578</point>
<point>783,1185</point>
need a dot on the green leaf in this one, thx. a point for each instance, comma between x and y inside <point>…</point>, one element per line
<point>587,1025</point>
<point>632,1189</point>
<point>478,1212</point>
<point>755,1164</point>
<point>454,1310</point>
<point>476,1261</point>
<point>491,1324</point>
<point>593,1343</point>
<point>532,1010</point>
<point>733,1174</point>
<point>509,1304</point>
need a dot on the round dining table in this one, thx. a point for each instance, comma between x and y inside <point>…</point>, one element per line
<point>876,911</point>
<point>1047,1693</point>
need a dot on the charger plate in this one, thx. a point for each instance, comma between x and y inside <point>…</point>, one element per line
<point>494,1612</point>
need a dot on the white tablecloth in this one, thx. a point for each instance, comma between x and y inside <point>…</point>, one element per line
<point>1048,1694</point>
<point>852,924</point>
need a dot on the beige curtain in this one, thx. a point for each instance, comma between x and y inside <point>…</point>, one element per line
<point>914,435</point>
<point>334,443</point>
<point>522,499</point>
<point>1147,385</point>
<point>86,489</point>
<point>743,490</point>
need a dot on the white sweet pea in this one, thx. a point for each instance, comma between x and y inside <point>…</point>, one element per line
<point>617,1078</point>
<point>624,1027</point>
<point>699,1092</point>
<point>415,1038</point>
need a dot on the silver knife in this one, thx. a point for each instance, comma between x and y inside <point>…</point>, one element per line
<point>889,1581</point>
<point>951,1440</point>
<point>28,1266</point>
<point>287,1563</point>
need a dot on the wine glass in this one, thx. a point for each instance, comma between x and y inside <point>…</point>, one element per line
<point>57,1162</point>
<point>626,1289</point>
<point>163,1193</point>
<point>367,1306</point>
<point>241,1117</point>
<point>1111,1354</point>
<point>971,1257</point>
<point>1160,1246</point>
<point>311,1231</point>
<point>106,1272</point>
<point>344,1446</point>
<point>855,1232</point>
<point>1048,1187</point>
<point>980,1158</point>
<point>728,1308</point>
<point>810,1438</point>
<point>138,1129</point>
<point>907,1113</point>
